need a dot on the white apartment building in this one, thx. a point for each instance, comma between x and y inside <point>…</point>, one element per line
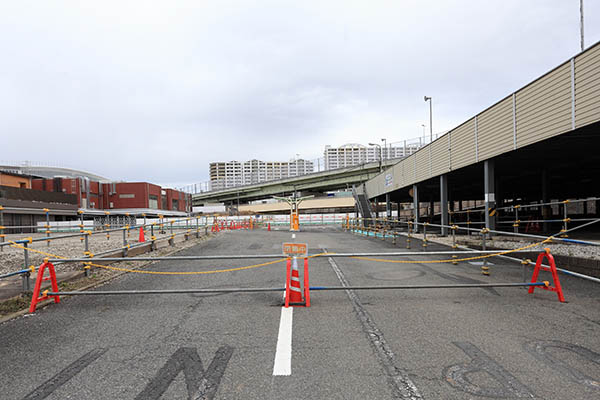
<point>354,154</point>
<point>234,173</point>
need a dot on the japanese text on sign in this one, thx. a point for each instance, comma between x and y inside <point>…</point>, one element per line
<point>295,249</point>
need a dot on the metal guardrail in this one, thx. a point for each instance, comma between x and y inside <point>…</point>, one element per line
<point>411,228</point>
<point>26,272</point>
<point>456,227</point>
<point>279,289</point>
<point>277,256</point>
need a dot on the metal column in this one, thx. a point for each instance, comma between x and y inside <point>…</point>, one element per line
<point>444,203</point>
<point>388,206</point>
<point>490,196</point>
<point>416,211</point>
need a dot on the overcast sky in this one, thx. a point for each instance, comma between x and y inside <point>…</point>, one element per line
<point>133,90</point>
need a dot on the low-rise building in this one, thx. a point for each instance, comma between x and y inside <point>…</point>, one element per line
<point>15,180</point>
<point>140,196</point>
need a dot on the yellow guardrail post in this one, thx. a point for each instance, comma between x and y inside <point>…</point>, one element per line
<point>124,241</point>
<point>47,211</point>
<point>87,266</point>
<point>127,224</point>
<point>25,276</point>
<point>425,234</point>
<point>2,235</point>
<point>453,228</point>
<point>80,212</point>
<point>566,219</point>
<point>516,223</point>
<point>485,269</point>
<point>107,224</point>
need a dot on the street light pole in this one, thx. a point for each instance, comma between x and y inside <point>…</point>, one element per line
<point>385,147</point>
<point>581,22</point>
<point>430,118</point>
<point>380,154</point>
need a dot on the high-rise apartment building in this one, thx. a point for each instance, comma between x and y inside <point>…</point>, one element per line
<point>235,173</point>
<point>354,154</point>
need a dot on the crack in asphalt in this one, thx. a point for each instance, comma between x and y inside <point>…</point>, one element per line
<point>402,386</point>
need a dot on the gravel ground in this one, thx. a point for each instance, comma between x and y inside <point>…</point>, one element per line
<point>573,250</point>
<point>12,259</point>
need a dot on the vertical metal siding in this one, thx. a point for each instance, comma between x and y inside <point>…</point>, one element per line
<point>463,146</point>
<point>587,87</point>
<point>544,107</point>
<point>422,164</point>
<point>495,130</point>
<point>440,156</point>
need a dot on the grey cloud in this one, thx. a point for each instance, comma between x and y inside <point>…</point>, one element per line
<point>137,91</point>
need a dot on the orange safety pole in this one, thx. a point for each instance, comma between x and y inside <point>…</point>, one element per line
<point>288,267</point>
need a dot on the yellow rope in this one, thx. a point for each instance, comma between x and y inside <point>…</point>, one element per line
<point>454,259</point>
<point>141,271</point>
<point>152,272</point>
<point>16,245</point>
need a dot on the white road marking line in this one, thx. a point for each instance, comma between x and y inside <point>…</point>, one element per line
<point>283,354</point>
<point>293,236</point>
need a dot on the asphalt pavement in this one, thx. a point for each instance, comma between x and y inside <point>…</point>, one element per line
<point>355,344</point>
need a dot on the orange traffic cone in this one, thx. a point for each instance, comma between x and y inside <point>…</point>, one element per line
<point>295,291</point>
<point>141,238</point>
<point>269,227</point>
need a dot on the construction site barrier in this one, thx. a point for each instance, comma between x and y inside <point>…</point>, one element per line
<point>552,269</point>
<point>37,296</point>
<point>293,292</point>
<point>557,237</point>
<point>293,296</point>
<point>355,227</point>
<point>84,234</point>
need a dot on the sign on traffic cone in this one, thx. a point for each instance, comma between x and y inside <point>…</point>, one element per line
<point>141,238</point>
<point>295,290</point>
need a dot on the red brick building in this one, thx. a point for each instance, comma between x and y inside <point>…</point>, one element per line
<point>117,195</point>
